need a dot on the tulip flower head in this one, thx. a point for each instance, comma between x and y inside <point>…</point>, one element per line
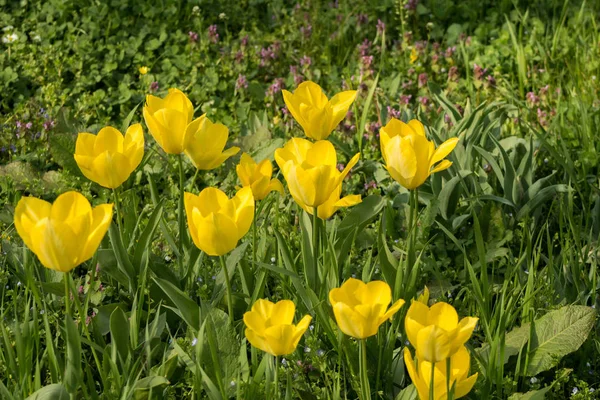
<point>63,234</point>
<point>108,158</point>
<point>169,120</point>
<point>217,223</point>
<point>409,157</point>
<point>334,203</point>
<point>206,143</point>
<point>310,170</point>
<point>435,332</point>
<point>270,328</point>
<point>257,176</point>
<point>317,115</point>
<point>420,375</point>
<point>360,308</point>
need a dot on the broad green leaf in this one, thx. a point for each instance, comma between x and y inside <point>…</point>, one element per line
<point>531,395</point>
<point>119,333</point>
<point>145,385</point>
<point>73,374</point>
<point>187,309</point>
<point>145,240</point>
<point>557,334</point>
<point>55,391</point>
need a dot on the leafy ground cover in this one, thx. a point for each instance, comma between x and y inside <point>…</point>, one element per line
<point>507,234</point>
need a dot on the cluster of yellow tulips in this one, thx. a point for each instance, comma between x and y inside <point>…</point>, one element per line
<point>68,232</point>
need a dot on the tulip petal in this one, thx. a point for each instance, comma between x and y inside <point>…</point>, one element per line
<point>401,160</point>
<point>441,166</point>
<point>153,103</point>
<point>417,127</point>
<point>433,344</point>
<point>340,103</point>
<point>84,146</point>
<point>375,292</point>
<point>463,332</point>
<point>463,387</point>
<point>301,327</point>
<point>255,321</point>
<point>422,388</point>
<point>243,202</point>
<point>275,185</point>
<point>392,310</point>
<point>264,307</point>
<point>110,169</point>
<point>168,126</point>
<point>283,312</point>
<point>442,151</point>
<point>346,293</point>
<point>245,169</point>
<point>256,340</point>
<point>56,245</point>
<point>443,315</point>
<point>177,100</point>
<point>349,321</point>
<point>280,339</point>
<point>100,222</point>
<point>28,213</point>
<point>108,139</point>
<point>217,234</point>
<point>70,206</point>
<point>293,106</point>
<point>416,319</point>
<point>213,200</point>
<point>133,145</point>
<point>322,153</point>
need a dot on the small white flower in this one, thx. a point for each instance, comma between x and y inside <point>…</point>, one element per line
<point>533,380</point>
<point>194,341</point>
<point>10,38</point>
<point>36,38</point>
<point>8,28</point>
<point>232,383</point>
<point>273,259</point>
<point>196,10</point>
<point>307,349</point>
<point>222,16</point>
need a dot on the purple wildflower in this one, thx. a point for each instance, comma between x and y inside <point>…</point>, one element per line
<point>241,83</point>
<point>213,35</point>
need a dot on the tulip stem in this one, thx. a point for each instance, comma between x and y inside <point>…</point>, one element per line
<point>180,219</point>
<point>316,246</point>
<point>193,183</point>
<point>67,295</point>
<point>118,211</point>
<point>449,392</point>
<point>228,285</point>
<point>276,372</point>
<point>254,233</point>
<point>364,376</point>
<point>431,382</point>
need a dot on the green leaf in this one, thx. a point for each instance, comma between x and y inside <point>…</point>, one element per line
<point>129,118</point>
<point>187,309</point>
<point>122,257</point>
<point>144,385</point>
<point>557,334</point>
<point>531,395</point>
<point>540,198</point>
<point>119,333</point>
<point>55,391</point>
<point>73,375</point>
<point>144,241</point>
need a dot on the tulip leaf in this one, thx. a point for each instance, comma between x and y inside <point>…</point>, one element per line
<point>309,262</point>
<point>356,220</point>
<point>446,104</point>
<point>73,375</point>
<point>531,395</point>
<point>363,118</point>
<point>148,383</point>
<point>119,334</point>
<point>145,239</point>
<point>541,197</point>
<point>408,393</point>
<point>55,391</point>
<point>187,309</point>
<point>129,118</point>
<point>557,334</point>
<point>122,257</point>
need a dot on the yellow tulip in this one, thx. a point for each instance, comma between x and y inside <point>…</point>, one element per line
<point>360,308</point>
<point>270,328</point>
<point>143,70</point>
<point>414,56</point>
<point>317,115</point>
<point>206,143</point>
<point>310,170</point>
<point>435,331</point>
<point>63,234</point>
<point>409,156</point>
<point>420,375</point>
<point>169,120</point>
<point>257,176</point>
<point>217,223</point>
<point>109,158</point>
